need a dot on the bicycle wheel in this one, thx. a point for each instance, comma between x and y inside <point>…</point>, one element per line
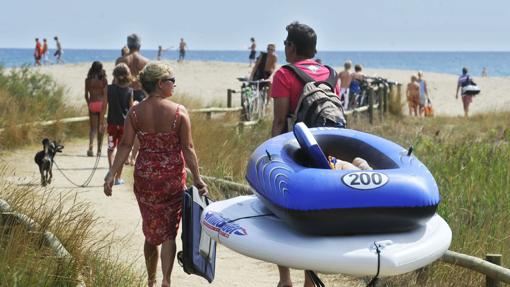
<point>264,101</point>
<point>255,107</point>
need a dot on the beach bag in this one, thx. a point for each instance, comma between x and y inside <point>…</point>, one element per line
<point>469,87</point>
<point>318,105</point>
<point>428,110</point>
<point>198,255</point>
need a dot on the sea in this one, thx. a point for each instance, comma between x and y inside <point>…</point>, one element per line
<point>496,63</point>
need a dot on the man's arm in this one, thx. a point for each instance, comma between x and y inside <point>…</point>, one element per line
<point>281,110</point>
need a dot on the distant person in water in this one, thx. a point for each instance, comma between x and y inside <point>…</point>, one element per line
<point>345,79</point>
<point>95,91</point>
<point>182,50</point>
<point>253,51</point>
<point>37,52</point>
<point>413,96</point>
<point>464,80</point>
<point>58,53</point>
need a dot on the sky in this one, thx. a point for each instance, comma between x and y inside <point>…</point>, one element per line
<point>356,25</point>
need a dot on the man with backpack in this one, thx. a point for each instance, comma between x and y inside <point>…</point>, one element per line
<point>304,91</point>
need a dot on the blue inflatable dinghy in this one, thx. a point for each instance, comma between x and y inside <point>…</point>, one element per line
<point>290,174</point>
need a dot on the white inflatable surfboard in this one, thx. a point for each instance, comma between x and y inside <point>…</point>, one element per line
<point>246,226</point>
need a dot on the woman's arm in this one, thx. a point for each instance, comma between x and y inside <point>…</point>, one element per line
<point>188,151</point>
<point>87,96</point>
<point>103,110</point>
<point>125,145</point>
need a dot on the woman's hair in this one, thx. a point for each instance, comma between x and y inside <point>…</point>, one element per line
<point>357,68</point>
<point>122,74</point>
<point>96,71</point>
<point>152,73</point>
<point>303,38</point>
<point>124,51</point>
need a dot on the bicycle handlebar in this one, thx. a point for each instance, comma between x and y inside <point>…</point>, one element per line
<point>246,80</point>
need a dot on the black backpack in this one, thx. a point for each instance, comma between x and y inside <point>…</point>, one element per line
<point>318,105</point>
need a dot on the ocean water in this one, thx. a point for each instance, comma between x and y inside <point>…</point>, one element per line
<point>497,63</point>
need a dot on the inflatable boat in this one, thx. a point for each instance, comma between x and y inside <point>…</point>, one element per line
<point>291,176</point>
<point>245,225</point>
<point>470,90</point>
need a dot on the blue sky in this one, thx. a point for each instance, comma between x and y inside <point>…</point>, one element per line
<point>356,25</point>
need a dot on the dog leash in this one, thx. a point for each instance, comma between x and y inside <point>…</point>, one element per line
<point>89,179</point>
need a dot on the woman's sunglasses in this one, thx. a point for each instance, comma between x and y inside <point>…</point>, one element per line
<point>169,80</point>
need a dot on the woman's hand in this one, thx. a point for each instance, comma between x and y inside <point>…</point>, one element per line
<point>201,186</point>
<point>108,183</point>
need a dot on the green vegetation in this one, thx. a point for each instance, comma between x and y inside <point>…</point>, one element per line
<point>24,261</point>
<point>27,96</point>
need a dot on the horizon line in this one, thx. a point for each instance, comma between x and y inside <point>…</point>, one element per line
<point>347,51</point>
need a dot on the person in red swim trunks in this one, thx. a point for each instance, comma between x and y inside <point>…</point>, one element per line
<point>166,146</point>
<point>118,101</point>
<point>95,91</point>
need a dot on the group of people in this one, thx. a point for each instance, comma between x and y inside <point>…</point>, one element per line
<point>139,108</point>
<point>41,52</point>
<point>182,51</point>
<point>140,114</point>
<point>350,84</point>
<point>417,95</point>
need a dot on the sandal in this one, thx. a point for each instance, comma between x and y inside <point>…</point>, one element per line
<point>90,153</point>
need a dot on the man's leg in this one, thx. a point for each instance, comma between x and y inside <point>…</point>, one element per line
<point>285,280</point>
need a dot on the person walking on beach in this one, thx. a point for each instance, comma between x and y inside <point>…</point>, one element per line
<point>345,78</point>
<point>463,81</point>
<point>300,48</point>
<point>413,96</point>
<point>485,73</point>
<point>166,145</point>
<point>253,51</point>
<point>37,52</point>
<point>424,93</point>
<point>182,50</point>
<point>45,51</point>
<point>136,62</point>
<point>118,100</point>
<point>95,91</point>
<point>58,53</point>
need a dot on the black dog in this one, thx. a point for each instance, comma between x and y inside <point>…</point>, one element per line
<point>44,160</point>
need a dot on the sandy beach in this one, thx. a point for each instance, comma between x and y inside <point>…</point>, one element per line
<point>209,81</point>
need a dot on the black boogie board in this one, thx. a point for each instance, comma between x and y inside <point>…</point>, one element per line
<point>198,255</point>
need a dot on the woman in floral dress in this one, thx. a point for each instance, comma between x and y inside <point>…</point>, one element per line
<point>164,130</point>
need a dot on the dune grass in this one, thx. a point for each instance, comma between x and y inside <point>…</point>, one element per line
<point>25,262</point>
<point>27,96</point>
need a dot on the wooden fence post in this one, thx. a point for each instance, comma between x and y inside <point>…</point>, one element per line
<point>229,98</point>
<point>496,259</point>
<point>386,92</point>
<point>371,105</point>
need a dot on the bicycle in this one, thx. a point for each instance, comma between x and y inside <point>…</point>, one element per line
<point>253,99</point>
